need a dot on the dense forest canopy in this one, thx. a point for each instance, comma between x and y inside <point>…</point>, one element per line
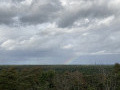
<point>60,77</point>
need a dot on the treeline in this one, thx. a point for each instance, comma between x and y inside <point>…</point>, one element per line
<point>63,77</point>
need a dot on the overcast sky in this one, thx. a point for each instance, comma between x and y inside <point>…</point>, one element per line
<point>57,31</point>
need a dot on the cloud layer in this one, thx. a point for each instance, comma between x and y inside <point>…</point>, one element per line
<point>53,31</point>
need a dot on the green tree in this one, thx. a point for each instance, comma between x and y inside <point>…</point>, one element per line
<point>8,79</point>
<point>117,76</point>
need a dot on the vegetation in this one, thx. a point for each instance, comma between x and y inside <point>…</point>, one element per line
<point>60,77</point>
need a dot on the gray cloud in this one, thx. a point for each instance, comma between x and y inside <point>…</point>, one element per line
<point>41,11</point>
<point>51,32</point>
<point>7,12</point>
<point>90,9</point>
